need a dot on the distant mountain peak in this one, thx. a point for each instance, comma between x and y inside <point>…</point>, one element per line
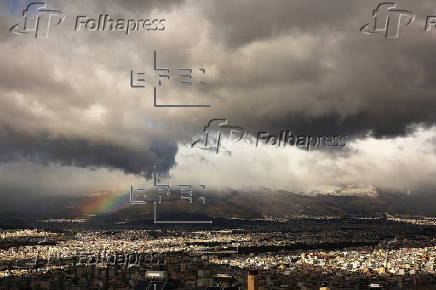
<point>342,190</point>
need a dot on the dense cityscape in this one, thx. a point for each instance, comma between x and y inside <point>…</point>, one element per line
<point>390,252</point>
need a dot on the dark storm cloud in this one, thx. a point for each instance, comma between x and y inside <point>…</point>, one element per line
<point>345,82</point>
<point>278,65</point>
<point>84,153</point>
<point>239,23</point>
<point>301,65</point>
<point>355,126</point>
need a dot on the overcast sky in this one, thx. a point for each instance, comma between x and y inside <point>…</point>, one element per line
<point>71,123</point>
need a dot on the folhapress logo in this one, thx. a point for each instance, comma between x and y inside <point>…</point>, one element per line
<point>38,19</point>
<point>387,19</point>
<point>214,131</point>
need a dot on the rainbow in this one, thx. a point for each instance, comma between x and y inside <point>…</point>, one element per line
<point>106,203</point>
